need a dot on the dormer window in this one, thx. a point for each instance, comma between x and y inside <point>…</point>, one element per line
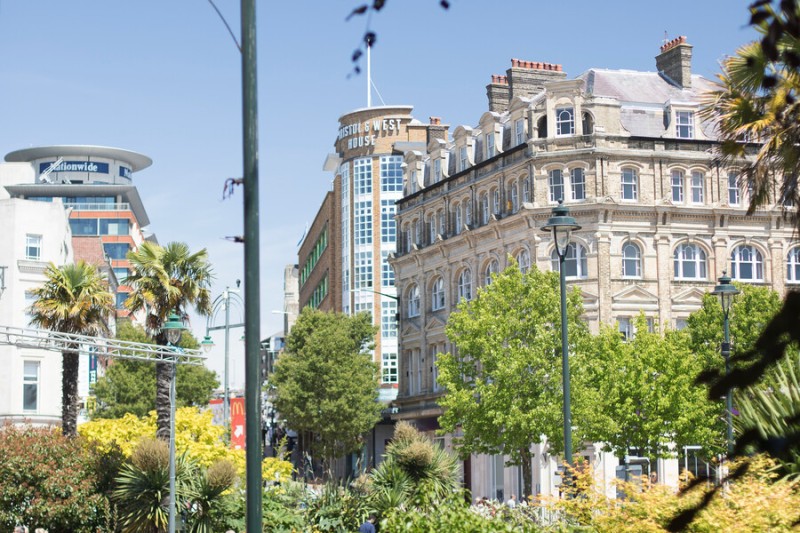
<point>437,170</point>
<point>565,121</point>
<point>489,145</point>
<point>463,162</point>
<point>684,124</point>
<point>413,181</point>
<point>519,131</point>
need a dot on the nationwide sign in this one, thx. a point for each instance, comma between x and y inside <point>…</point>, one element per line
<point>75,166</point>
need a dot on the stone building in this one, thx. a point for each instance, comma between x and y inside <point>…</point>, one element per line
<point>632,157</point>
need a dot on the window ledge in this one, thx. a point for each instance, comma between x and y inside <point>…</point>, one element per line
<point>29,266</point>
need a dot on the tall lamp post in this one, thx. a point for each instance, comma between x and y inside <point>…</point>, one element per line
<point>726,293</point>
<point>223,302</point>
<point>562,225</point>
<point>172,328</point>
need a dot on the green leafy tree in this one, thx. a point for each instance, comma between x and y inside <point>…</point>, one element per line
<point>129,386</point>
<point>326,382</point>
<point>73,299</point>
<point>750,313</point>
<point>503,385</point>
<point>648,396</point>
<point>165,280</point>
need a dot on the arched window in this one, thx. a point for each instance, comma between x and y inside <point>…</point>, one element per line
<point>630,184</point>
<point>578,184</point>
<point>588,123</point>
<point>468,213</point>
<point>747,264</point>
<point>556,183</point>
<point>575,264</point>
<point>690,262</point>
<point>526,190</point>
<point>441,217</point>
<point>484,209</point>
<point>431,229</point>
<point>523,261</point>
<point>491,268</point>
<point>496,202</point>
<point>437,294</point>
<point>631,261</point>
<point>458,219</point>
<point>465,285</point>
<point>793,266</point>
<point>677,186</point>
<point>413,301</point>
<point>698,187</point>
<point>514,197</point>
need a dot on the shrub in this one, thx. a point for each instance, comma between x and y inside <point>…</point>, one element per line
<point>48,481</point>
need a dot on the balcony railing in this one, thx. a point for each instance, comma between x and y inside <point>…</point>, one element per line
<point>124,206</point>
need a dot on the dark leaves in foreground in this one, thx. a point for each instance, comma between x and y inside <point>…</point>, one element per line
<point>370,36</point>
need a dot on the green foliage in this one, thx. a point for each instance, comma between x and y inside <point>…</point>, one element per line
<point>771,410</point>
<point>129,386</point>
<point>335,509</point>
<point>414,473</point>
<point>750,313</point>
<point>73,299</point>
<point>142,492</point>
<point>48,481</point>
<point>648,397</point>
<point>503,385</point>
<point>326,382</point>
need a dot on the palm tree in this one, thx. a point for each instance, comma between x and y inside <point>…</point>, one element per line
<point>164,280</point>
<point>74,299</point>
<point>757,111</point>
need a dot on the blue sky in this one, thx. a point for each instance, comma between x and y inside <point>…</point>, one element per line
<point>163,79</point>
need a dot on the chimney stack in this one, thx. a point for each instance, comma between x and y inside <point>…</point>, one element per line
<point>498,94</point>
<point>437,130</point>
<point>527,78</point>
<point>675,62</point>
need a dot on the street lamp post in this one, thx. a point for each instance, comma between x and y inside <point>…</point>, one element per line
<point>562,225</point>
<point>726,292</point>
<point>172,328</point>
<point>223,301</point>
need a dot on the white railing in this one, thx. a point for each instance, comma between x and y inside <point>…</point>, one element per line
<point>55,341</point>
<point>123,206</point>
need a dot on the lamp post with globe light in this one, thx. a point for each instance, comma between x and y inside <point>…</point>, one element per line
<point>172,329</point>
<point>726,292</point>
<point>561,225</point>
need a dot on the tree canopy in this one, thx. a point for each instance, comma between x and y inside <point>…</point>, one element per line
<point>648,396</point>
<point>326,382</point>
<point>129,386</point>
<point>503,382</point>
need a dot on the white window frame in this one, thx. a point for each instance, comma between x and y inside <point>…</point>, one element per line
<point>465,285</point>
<point>468,213</point>
<point>626,328</point>
<point>496,202</point>
<point>793,265</point>
<point>514,197</point>
<point>491,268</point>
<point>523,260</point>
<point>577,177</point>
<point>565,121</point>
<point>432,228</point>
<point>677,178</point>
<point>31,380</point>
<point>519,131</point>
<point>697,187</point>
<point>33,247</point>
<point>634,261</point>
<point>490,147</point>
<point>555,182</point>
<point>684,124</point>
<point>485,209</point>
<point>526,190</point>
<point>748,256</point>
<point>389,367</point>
<point>438,301</point>
<point>462,159</point>
<point>458,219</point>
<point>734,193</point>
<point>413,300</point>
<point>699,260</point>
<point>437,170</point>
<point>629,185</point>
<point>575,256</point>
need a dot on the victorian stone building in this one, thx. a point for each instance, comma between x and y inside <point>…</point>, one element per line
<point>632,157</point>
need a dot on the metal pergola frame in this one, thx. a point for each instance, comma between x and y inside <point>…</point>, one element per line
<point>54,341</point>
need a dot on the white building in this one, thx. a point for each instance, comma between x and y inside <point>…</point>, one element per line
<point>34,234</point>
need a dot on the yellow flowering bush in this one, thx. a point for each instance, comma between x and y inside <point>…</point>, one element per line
<point>195,435</point>
<point>755,502</point>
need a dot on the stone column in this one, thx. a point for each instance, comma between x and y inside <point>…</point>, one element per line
<point>603,277</point>
<point>664,260</point>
